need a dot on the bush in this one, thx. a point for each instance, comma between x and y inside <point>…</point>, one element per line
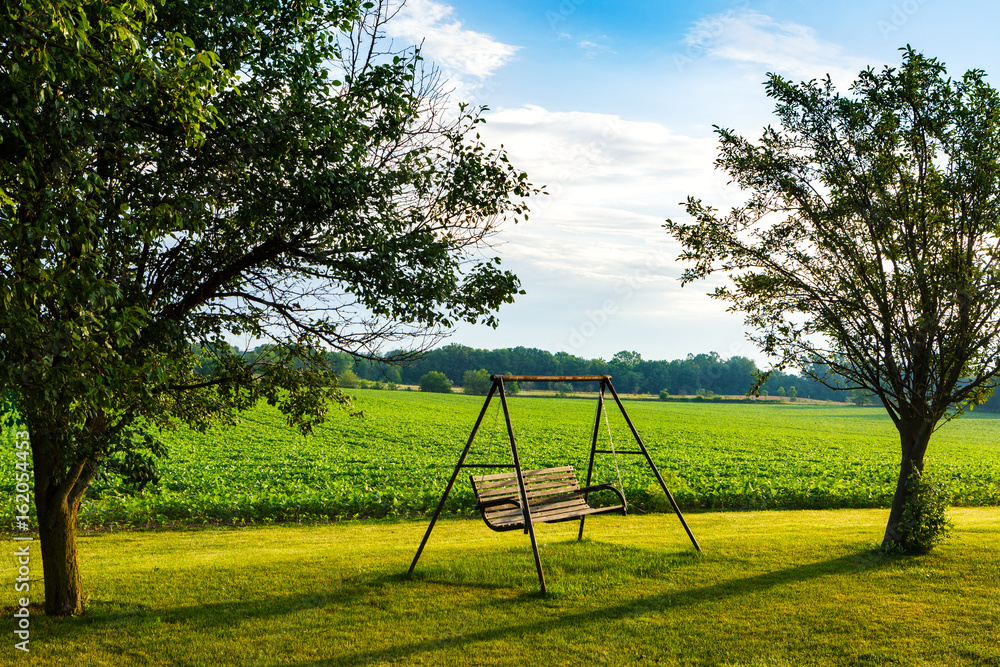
<point>924,523</point>
<point>348,380</point>
<point>664,394</point>
<point>435,381</point>
<point>477,382</point>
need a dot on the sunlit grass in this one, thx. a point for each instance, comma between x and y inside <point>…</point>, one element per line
<point>772,588</point>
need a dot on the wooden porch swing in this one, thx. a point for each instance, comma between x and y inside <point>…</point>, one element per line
<point>520,498</point>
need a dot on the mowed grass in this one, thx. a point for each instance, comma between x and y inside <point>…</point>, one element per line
<point>772,588</point>
<point>395,459</point>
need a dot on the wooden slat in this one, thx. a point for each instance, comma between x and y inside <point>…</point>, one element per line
<point>502,510</point>
<point>573,514</point>
<point>542,517</point>
<point>528,479</point>
<point>532,490</point>
<point>525,473</point>
<point>565,480</point>
<point>534,495</point>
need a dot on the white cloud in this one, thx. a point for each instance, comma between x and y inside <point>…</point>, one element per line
<point>596,244</point>
<point>446,42</point>
<point>593,161</point>
<point>785,48</point>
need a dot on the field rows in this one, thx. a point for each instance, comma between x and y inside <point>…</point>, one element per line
<point>396,459</point>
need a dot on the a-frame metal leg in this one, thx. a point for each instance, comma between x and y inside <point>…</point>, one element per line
<point>458,467</point>
<point>593,451</point>
<point>652,465</point>
<point>525,508</point>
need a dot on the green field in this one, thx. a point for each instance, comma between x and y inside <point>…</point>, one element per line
<point>395,459</point>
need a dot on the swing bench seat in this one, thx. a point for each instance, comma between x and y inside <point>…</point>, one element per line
<point>553,495</point>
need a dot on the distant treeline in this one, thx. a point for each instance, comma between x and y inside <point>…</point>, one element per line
<point>701,374</point>
<point>704,374</point>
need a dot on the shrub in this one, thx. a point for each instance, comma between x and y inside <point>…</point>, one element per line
<point>348,380</point>
<point>924,522</point>
<point>435,381</point>
<point>664,394</point>
<point>477,382</point>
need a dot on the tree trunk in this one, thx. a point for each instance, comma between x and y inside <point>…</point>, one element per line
<point>59,491</point>
<point>913,438</point>
<point>60,565</point>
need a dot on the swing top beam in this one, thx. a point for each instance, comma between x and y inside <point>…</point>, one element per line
<point>550,378</point>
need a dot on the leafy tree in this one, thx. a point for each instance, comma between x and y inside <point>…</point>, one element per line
<point>626,358</point>
<point>477,382</point>
<point>435,381</point>
<point>175,173</point>
<point>793,393</point>
<point>868,243</point>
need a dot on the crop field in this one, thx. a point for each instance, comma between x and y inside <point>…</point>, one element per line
<point>395,459</point>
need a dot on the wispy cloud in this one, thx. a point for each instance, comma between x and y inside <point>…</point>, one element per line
<point>592,48</point>
<point>445,41</point>
<point>786,48</point>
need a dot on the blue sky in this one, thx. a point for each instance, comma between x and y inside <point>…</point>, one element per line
<point>611,106</point>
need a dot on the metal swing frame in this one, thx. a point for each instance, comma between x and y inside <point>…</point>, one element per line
<point>498,388</point>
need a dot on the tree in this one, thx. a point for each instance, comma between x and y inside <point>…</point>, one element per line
<point>176,173</point>
<point>868,243</point>
<point>626,358</point>
<point>435,381</point>
<point>477,382</point>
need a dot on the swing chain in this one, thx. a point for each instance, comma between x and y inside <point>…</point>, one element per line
<point>611,440</point>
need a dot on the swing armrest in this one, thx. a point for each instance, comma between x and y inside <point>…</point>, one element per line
<point>602,487</point>
<point>486,504</point>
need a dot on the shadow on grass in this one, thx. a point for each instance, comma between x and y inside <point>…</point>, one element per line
<point>387,594</point>
<point>858,561</point>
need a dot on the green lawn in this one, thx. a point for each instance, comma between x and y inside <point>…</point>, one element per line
<point>772,588</point>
